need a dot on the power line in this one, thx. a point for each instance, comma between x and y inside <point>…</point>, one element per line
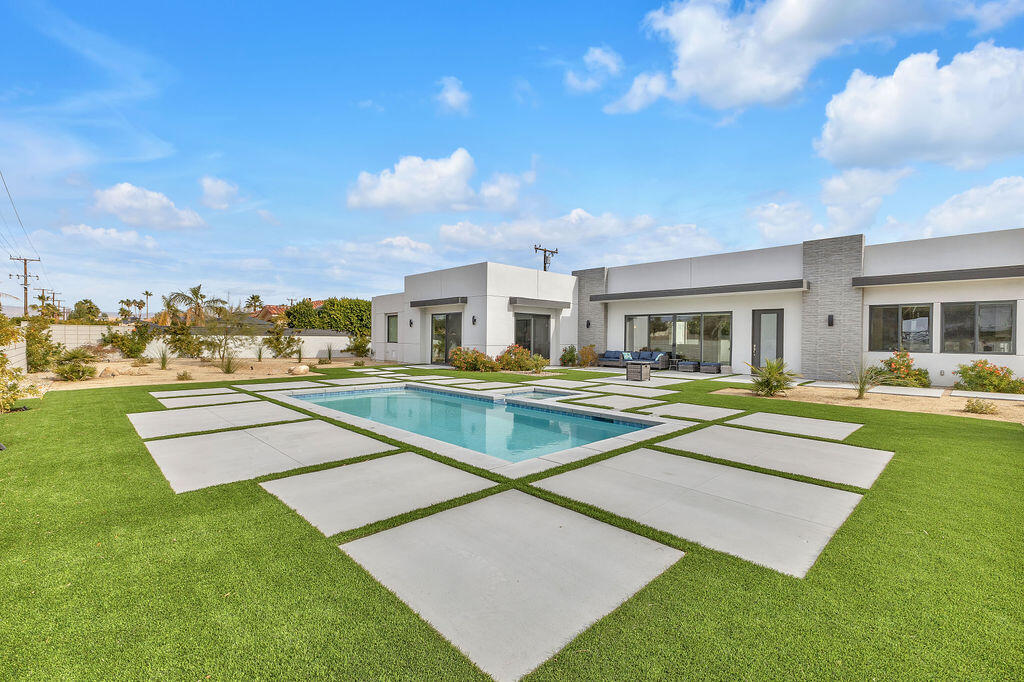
<point>18,215</point>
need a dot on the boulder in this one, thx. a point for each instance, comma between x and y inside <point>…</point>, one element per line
<point>299,369</point>
<point>108,372</point>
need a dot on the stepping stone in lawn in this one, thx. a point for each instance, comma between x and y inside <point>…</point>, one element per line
<point>190,391</point>
<point>368,370</point>
<point>454,381</point>
<point>834,462</point>
<point>196,400</point>
<point>909,390</point>
<point>211,418</point>
<point>489,385</point>
<point>738,379</point>
<point>654,381</point>
<point>987,396</point>
<point>195,462</point>
<point>771,521</point>
<point>617,402</point>
<point>631,390</point>
<point>426,377</point>
<point>805,426</point>
<point>561,383</point>
<point>511,579</point>
<point>831,384</point>
<point>690,411</point>
<point>357,381</point>
<point>354,495</point>
<point>278,386</point>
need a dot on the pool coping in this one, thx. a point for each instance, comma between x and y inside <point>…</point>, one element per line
<point>657,426</point>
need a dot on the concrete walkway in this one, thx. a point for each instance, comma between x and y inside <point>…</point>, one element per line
<point>804,426</point>
<point>211,418</point>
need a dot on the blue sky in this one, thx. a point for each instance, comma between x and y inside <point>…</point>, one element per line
<point>331,149</point>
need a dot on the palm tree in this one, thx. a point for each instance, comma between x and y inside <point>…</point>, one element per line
<point>147,294</point>
<point>196,304</point>
<point>139,304</point>
<point>254,302</point>
<point>126,308</point>
<point>170,313</point>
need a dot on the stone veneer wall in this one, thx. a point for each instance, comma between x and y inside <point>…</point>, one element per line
<point>588,282</point>
<point>832,353</point>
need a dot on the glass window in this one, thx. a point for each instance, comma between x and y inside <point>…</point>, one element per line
<point>716,344</point>
<point>392,329</point>
<point>660,333</point>
<point>636,332</point>
<point>957,327</point>
<point>688,337</point>
<point>883,328</point>
<point>916,328</point>
<point>995,327</point>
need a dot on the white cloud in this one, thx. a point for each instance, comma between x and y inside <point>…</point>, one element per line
<point>992,15</point>
<point>964,114</point>
<point>599,63</point>
<point>453,97</point>
<point>110,237</point>
<point>267,216</point>
<point>418,184</point>
<point>218,194</point>
<point>142,207</point>
<point>997,206</point>
<point>646,89</point>
<point>853,197</point>
<point>785,223</point>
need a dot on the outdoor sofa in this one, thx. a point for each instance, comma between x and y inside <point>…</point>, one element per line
<point>618,358</point>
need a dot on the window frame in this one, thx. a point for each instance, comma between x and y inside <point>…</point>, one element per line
<point>672,353</point>
<point>387,327</point>
<point>977,331</point>
<point>899,325</point>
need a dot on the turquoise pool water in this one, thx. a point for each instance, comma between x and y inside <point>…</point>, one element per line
<point>537,394</point>
<point>510,432</point>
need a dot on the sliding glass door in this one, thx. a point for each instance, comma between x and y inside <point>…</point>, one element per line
<point>700,337</point>
<point>533,332</point>
<point>445,334</point>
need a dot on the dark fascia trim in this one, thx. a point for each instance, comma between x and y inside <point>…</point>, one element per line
<point>940,276</point>
<point>781,285</point>
<point>538,302</point>
<point>451,300</point>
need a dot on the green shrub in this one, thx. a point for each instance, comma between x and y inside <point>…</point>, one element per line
<point>898,370</point>
<point>184,375</point>
<point>471,360</point>
<point>867,378</point>
<point>978,406</point>
<point>183,342</point>
<point>229,363</point>
<point>568,358</point>
<point>12,386</point>
<point>131,344</point>
<point>359,363</point>
<point>538,362</point>
<point>164,356</point>
<point>773,378</point>
<point>588,356</point>
<point>982,375</point>
<point>359,345</point>
<point>74,370</point>
<point>41,351</point>
<point>350,315</point>
<point>303,315</point>
<point>515,358</point>
<point>280,343</point>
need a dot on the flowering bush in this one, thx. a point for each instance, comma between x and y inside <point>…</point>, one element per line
<point>538,362</point>
<point>982,375</point>
<point>471,360</point>
<point>568,358</point>
<point>515,358</point>
<point>588,356</point>
<point>898,370</point>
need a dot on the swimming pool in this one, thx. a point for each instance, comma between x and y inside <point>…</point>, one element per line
<point>487,424</point>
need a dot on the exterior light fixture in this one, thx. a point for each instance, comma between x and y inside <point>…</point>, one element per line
<point>831,320</point>
<point>474,319</point>
<point>588,324</point>
<point>410,321</point>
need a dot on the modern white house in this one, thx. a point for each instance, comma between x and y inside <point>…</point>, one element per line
<point>825,306</point>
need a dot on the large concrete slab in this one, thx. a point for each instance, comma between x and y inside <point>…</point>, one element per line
<point>630,389</point>
<point>195,462</point>
<point>454,381</point>
<point>210,418</point>
<point>511,579</point>
<point>197,400</point>
<point>915,391</point>
<point>654,381</point>
<point>987,396</point>
<point>845,385</point>
<point>834,462</point>
<point>771,521</point>
<point>190,391</point>
<point>690,411</point>
<point>491,385</point>
<point>358,381</point>
<point>352,496</point>
<point>805,426</point>
<point>562,383</point>
<point>737,379</point>
<point>278,385</point>
<point>617,402</point>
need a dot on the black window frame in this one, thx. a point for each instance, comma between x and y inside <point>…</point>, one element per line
<point>674,316</point>
<point>387,328</point>
<point>976,345</point>
<point>899,326</point>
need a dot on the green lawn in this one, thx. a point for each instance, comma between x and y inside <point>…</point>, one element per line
<point>109,575</point>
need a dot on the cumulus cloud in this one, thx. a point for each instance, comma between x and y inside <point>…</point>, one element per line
<point>853,197</point>
<point>453,97</point>
<point>646,89</point>
<point>964,114</point>
<point>989,16</point>
<point>145,208</point>
<point>600,63</point>
<point>418,184</point>
<point>218,194</point>
<point>997,206</point>
<point>785,223</point>
<point>110,237</point>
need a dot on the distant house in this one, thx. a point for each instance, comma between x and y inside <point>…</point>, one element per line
<point>269,313</point>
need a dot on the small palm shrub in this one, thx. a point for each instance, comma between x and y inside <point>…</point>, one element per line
<point>515,358</point>
<point>569,357</point>
<point>773,378</point>
<point>471,360</point>
<point>230,364</point>
<point>867,378</point>
<point>184,375</point>
<point>982,375</point>
<point>978,406</point>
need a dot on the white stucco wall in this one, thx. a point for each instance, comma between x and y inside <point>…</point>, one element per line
<point>957,252</point>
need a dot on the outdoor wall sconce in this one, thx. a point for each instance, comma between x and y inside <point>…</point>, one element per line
<point>831,320</point>
<point>410,321</point>
<point>588,324</point>
<point>474,319</point>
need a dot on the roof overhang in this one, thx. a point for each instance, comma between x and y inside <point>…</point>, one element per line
<point>538,302</point>
<point>1000,272</point>
<point>429,302</point>
<point>786,285</point>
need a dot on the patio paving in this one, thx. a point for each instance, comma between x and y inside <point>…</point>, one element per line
<point>490,385</point>
<point>196,400</point>
<point>351,496</point>
<point>357,381</point>
<point>278,386</point>
<point>624,389</point>
<point>831,384</point>
<point>804,426</point>
<point>210,418</point>
<point>617,402</point>
<point>915,391</point>
<point>834,462</point>
<point>654,381</point>
<point>737,379</point>
<point>690,411</point>
<point>511,579</point>
<point>987,396</point>
<point>190,391</point>
<point>195,462</point>
<point>562,383</point>
<point>453,381</point>
<point>771,521</point>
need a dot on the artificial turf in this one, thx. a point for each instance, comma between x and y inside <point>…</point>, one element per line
<point>109,575</point>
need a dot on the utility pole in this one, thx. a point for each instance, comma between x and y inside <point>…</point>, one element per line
<point>291,302</point>
<point>25,277</point>
<point>44,294</point>
<point>548,253</point>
